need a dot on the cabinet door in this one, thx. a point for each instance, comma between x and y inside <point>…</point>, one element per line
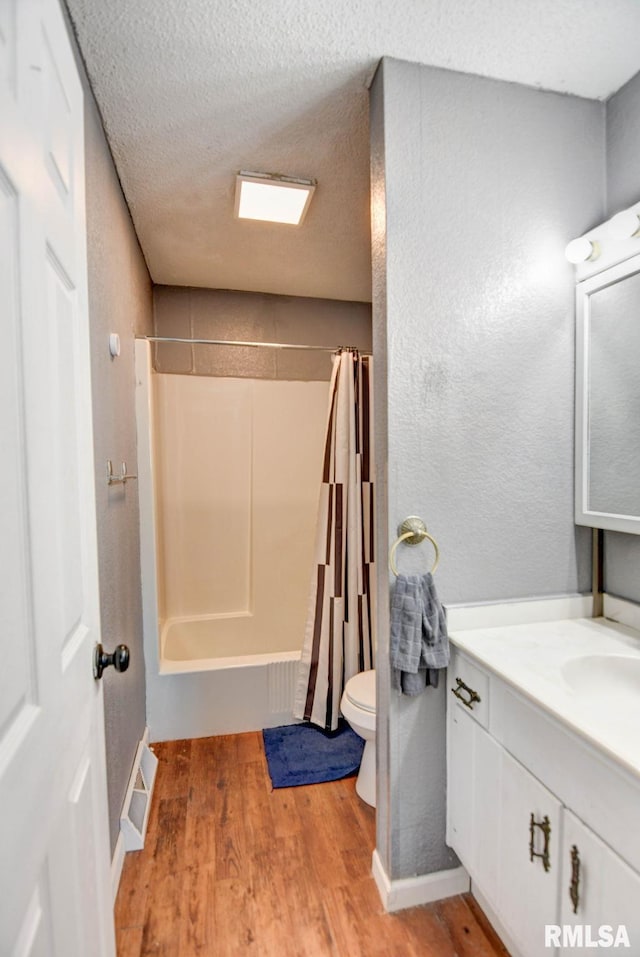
<point>473,805</point>
<point>528,885</point>
<point>461,783</point>
<point>602,888</point>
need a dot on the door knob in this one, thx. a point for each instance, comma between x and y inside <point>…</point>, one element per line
<point>118,658</point>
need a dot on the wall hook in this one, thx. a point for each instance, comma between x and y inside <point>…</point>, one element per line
<point>121,479</point>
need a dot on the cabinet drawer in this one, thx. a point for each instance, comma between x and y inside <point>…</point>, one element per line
<point>468,687</point>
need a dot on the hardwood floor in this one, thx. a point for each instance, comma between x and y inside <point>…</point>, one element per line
<point>231,867</point>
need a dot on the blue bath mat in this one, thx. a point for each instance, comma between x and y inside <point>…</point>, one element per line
<point>303,754</point>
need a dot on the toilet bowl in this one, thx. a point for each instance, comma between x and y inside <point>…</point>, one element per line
<point>358,706</point>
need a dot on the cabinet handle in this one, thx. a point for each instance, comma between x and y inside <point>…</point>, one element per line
<point>462,687</point>
<point>574,886</point>
<point>545,827</point>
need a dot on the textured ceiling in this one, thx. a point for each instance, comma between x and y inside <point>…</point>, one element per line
<point>193,90</point>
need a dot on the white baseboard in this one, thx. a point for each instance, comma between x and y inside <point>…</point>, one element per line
<point>623,611</point>
<point>413,891</point>
<point>117,863</point>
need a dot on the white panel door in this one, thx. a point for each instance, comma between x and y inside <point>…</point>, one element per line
<point>55,896</point>
<point>604,890</point>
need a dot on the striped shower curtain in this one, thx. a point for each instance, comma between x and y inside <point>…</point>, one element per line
<point>338,637</point>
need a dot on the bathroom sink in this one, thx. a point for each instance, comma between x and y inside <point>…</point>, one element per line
<point>605,676</point>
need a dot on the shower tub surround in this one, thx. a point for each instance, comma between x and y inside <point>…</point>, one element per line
<point>229,473</point>
<point>544,775</point>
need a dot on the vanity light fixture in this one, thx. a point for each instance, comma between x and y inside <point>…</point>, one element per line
<point>606,244</point>
<point>582,250</point>
<point>272,198</point>
<point>624,225</point>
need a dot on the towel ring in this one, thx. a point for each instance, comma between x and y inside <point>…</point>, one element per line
<point>413,531</point>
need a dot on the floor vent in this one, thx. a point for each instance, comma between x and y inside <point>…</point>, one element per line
<point>282,676</point>
<point>137,803</point>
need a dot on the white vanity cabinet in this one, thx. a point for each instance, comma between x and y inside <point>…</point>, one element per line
<point>515,836</point>
<point>491,799</point>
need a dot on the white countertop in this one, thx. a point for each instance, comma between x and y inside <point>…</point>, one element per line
<point>604,709</point>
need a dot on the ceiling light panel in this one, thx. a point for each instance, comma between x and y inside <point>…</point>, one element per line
<point>271,198</point>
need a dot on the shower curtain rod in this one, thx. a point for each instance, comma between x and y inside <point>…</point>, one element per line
<point>256,345</point>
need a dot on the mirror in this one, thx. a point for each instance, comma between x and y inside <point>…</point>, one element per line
<point>608,399</point>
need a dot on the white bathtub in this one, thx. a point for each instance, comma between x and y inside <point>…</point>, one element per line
<point>204,689</point>
<point>211,642</point>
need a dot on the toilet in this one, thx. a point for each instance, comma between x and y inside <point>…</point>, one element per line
<point>358,706</point>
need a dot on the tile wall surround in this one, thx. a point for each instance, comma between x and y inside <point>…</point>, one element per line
<point>255,317</point>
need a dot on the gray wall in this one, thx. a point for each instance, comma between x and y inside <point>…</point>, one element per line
<point>623,147</point>
<point>622,552</point>
<point>484,183</point>
<point>254,317</point>
<point>119,301</point>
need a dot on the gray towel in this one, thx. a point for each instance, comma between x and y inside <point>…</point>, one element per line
<point>435,645</point>
<point>419,641</point>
